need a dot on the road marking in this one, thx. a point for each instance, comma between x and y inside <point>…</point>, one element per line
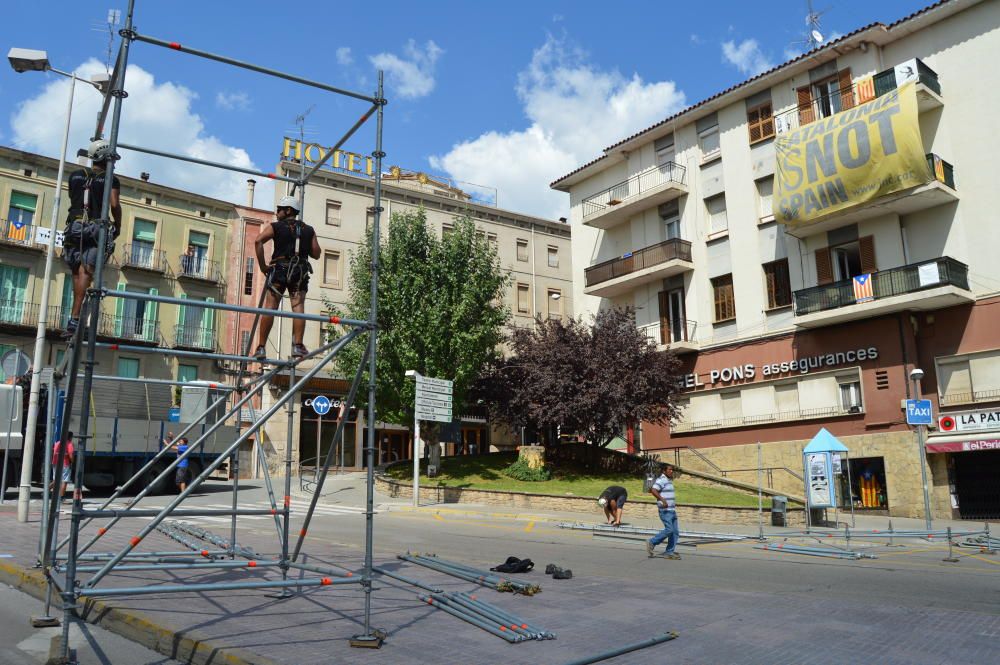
<point>438,517</point>
<point>530,527</point>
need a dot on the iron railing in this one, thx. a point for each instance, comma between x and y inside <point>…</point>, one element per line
<point>15,233</point>
<point>198,268</point>
<point>911,278</point>
<point>763,419</point>
<point>941,170</point>
<point>647,257</point>
<point>949,399</point>
<point>885,81</point>
<point>18,313</point>
<point>144,258</point>
<point>635,186</point>
<point>660,334</point>
<point>132,328</point>
<point>57,317</point>
<point>194,337</point>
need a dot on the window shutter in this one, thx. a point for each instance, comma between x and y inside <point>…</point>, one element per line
<point>119,311</point>
<point>208,326</point>
<point>664,318</point>
<point>806,112</point>
<point>753,124</point>
<point>824,267</point>
<point>181,326</point>
<point>149,325</point>
<point>23,201</point>
<point>846,89</point>
<point>144,230</point>
<point>766,121</point>
<point>867,250</point>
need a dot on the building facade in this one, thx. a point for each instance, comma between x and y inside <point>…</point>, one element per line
<point>338,202</point>
<point>788,318</point>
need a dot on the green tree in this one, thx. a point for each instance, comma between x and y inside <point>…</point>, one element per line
<point>440,312</point>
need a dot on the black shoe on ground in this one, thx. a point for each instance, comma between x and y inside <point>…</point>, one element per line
<point>551,568</point>
<point>562,574</point>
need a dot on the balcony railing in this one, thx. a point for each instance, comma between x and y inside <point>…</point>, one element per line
<point>144,258</point>
<point>886,81</point>
<point>57,317</point>
<point>950,399</point>
<point>194,337</point>
<point>777,417</point>
<point>912,278</point>
<point>683,331</point>
<point>647,257</point>
<point>635,186</point>
<point>18,313</point>
<point>130,328</point>
<point>17,234</point>
<point>941,170</point>
<point>196,267</point>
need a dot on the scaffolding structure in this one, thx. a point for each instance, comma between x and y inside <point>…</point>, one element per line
<point>61,560</point>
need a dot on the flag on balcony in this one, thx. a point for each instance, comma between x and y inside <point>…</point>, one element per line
<point>863,288</point>
<point>17,231</point>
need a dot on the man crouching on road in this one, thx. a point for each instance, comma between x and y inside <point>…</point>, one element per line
<point>663,490</point>
<point>612,500</point>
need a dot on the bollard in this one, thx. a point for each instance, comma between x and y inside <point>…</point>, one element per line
<point>989,541</point>
<point>847,536</point>
<point>951,558</point>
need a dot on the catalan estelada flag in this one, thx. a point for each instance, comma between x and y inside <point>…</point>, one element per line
<point>17,231</point>
<point>863,288</point>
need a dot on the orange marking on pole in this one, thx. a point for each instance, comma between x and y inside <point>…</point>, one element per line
<point>513,626</point>
<point>213,385</point>
<point>114,347</point>
<point>101,532</point>
<point>270,175</point>
<point>175,45</point>
<point>251,564</point>
<point>334,319</point>
<point>302,533</point>
<point>288,501</point>
<point>524,626</point>
<point>325,581</point>
<point>349,574</point>
<point>274,511</point>
<point>204,553</point>
<point>503,627</point>
<point>135,541</point>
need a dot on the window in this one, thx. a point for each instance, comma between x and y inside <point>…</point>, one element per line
<point>331,269</point>
<point>195,261</point>
<point>369,219</point>
<point>779,288</point>
<point>522,250</point>
<point>554,303</point>
<point>670,214</point>
<point>248,277</point>
<point>664,148</point>
<point>13,286</point>
<point>128,367</point>
<point>522,299</point>
<point>447,229</point>
<point>973,378</point>
<point>491,238</point>
<point>333,212</point>
<point>732,408</point>
<point>850,396</point>
<point>187,373</point>
<point>786,399</point>
<point>19,215</point>
<point>717,218</point>
<point>553,253</point>
<point>725,303</point>
<point>846,261</point>
<point>760,122</point>
<point>143,241</point>
<point>765,193</point>
<point>244,342</point>
<point>708,137</point>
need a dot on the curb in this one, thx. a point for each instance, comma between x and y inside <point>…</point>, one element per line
<point>131,625</point>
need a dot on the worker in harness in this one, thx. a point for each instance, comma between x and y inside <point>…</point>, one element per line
<point>80,250</point>
<point>294,244</point>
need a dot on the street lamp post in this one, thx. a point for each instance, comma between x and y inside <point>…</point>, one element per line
<point>915,376</point>
<point>414,374</point>
<point>23,60</point>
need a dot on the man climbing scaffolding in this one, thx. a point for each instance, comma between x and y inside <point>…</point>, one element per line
<point>294,244</point>
<point>86,196</point>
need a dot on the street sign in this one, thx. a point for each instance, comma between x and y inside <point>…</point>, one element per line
<point>435,410</point>
<point>321,405</point>
<point>423,381</point>
<point>443,401</point>
<point>434,417</point>
<point>918,412</point>
<point>434,390</point>
<point>434,399</point>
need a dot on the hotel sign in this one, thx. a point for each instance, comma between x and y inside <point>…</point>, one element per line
<point>802,365</point>
<point>970,421</point>
<point>341,160</point>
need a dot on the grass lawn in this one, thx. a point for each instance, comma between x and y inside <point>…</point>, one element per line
<point>484,472</point>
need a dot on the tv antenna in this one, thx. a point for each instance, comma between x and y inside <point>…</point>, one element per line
<point>814,38</point>
<point>114,19</point>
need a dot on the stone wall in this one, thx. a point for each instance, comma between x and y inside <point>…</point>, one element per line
<point>746,516</point>
<point>898,449</point>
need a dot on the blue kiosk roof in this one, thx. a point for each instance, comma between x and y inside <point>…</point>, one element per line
<point>824,442</point>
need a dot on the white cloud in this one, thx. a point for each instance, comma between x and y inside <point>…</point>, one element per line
<point>746,56</point>
<point>575,110</point>
<point>695,39</point>
<point>344,56</point>
<point>411,76</point>
<point>155,115</point>
<point>232,101</point>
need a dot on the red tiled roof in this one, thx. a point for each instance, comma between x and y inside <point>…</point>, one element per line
<point>751,80</point>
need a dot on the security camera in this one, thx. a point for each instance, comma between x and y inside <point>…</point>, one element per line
<point>916,374</point>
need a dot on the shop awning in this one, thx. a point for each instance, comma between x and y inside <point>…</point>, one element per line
<point>963,443</point>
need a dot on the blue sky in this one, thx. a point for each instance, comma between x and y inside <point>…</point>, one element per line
<point>507,95</point>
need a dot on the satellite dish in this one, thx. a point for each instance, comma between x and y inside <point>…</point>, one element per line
<point>14,363</point>
<point>817,36</point>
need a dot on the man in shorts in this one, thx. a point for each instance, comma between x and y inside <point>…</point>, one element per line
<point>294,244</point>
<point>80,250</point>
<point>64,476</point>
<point>612,500</point>
<point>181,477</point>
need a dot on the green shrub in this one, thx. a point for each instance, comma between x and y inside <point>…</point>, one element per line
<point>520,470</point>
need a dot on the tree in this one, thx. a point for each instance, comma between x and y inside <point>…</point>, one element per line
<point>440,311</point>
<point>595,380</point>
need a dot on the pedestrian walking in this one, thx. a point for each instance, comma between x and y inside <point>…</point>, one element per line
<point>181,475</point>
<point>294,244</point>
<point>612,500</point>
<point>64,475</point>
<point>663,490</point>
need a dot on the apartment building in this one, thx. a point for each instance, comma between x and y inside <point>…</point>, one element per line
<point>793,310</point>
<point>172,243</point>
<point>338,202</point>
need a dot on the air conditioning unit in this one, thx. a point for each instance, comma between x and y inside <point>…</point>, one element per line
<point>854,408</point>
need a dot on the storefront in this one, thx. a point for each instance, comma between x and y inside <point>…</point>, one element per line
<point>970,443</point>
<point>316,433</point>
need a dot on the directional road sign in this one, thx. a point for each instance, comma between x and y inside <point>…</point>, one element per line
<point>918,412</point>
<point>321,405</point>
<point>431,401</point>
<point>434,400</point>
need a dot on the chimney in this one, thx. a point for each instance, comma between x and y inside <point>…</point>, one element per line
<point>144,176</point>
<point>251,183</point>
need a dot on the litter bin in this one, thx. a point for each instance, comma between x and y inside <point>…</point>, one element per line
<point>779,510</point>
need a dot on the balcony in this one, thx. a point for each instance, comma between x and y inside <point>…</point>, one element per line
<point>141,257</point>
<point>196,267</point>
<point>919,286</point>
<point>17,315</point>
<point>18,235</point>
<point>57,318</point>
<point>928,86</point>
<point>131,329</point>
<point>938,191</point>
<point>194,338</point>
<point>649,264</point>
<point>764,419</point>
<point>617,203</point>
<point>679,338</point>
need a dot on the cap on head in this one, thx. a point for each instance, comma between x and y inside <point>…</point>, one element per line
<point>289,202</point>
<point>100,151</point>
<point>602,501</point>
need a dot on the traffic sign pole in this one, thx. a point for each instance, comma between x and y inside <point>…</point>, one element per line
<point>416,462</point>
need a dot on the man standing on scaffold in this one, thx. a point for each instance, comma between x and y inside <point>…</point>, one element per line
<point>294,244</point>
<point>86,196</point>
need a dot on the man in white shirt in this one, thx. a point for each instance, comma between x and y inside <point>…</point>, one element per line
<point>663,490</point>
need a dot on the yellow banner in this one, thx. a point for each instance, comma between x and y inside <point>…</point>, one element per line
<point>849,158</point>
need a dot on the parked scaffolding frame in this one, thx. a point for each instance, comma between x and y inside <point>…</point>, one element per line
<point>82,349</point>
